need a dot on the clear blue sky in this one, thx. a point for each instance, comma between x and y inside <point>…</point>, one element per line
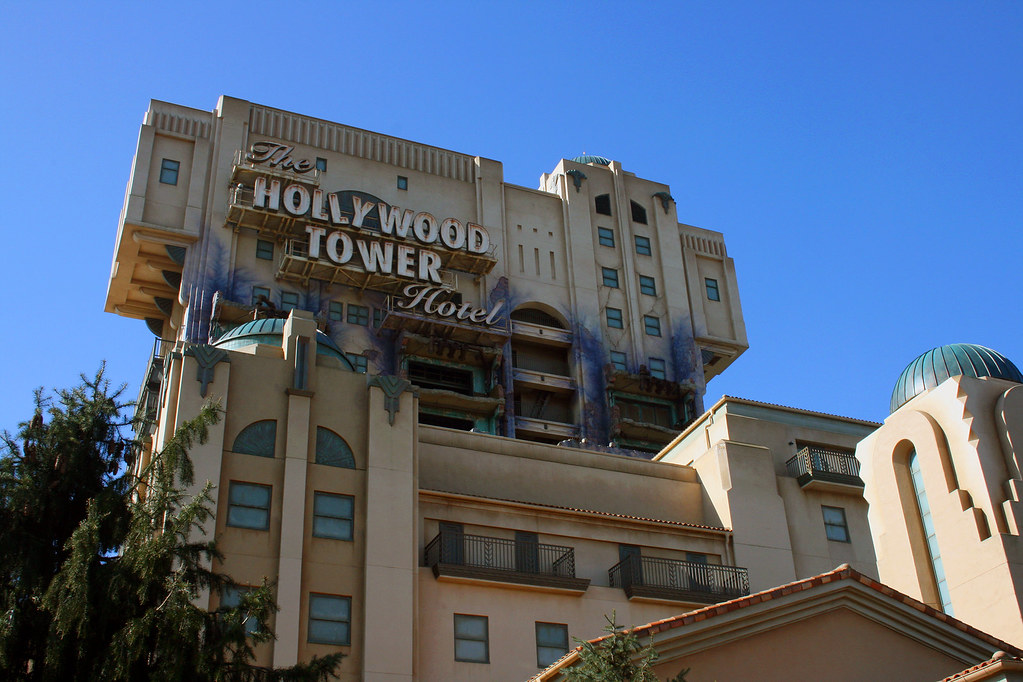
<point>863,159</point>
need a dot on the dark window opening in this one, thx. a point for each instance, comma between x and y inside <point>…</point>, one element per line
<point>536,316</point>
<point>444,378</point>
<point>638,213</point>
<point>602,204</point>
<point>646,413</point>
<point>447,422</point>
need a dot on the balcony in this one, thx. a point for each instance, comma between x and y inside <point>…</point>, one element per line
<point>469,558</point>
<point>818,468</point>
<point>674,580</point>
<point>149,392</point>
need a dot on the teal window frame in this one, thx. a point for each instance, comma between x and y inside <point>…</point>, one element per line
<point>713,292</point>
<point>333,516</point>
<point>258,439</point>
<point>260,291</point>
<point>332,450</point>
<point>647,285</point>
<point>619,361</point>
<point>643,246</point>
<point>614,318</point>
<point>169,170</point>
<point>246,507</point>
<point>358,314</point>
<point>652,325</point>
<point>289,300</point>
<point>609,277</point>
<point>358,362</point>
<point>403,183</point>
<point>321,164</point>
<point>264,249</point>
<point>330,619</point>
<point>335,311</point>
<point>658,368</point>
<point>606,236</point>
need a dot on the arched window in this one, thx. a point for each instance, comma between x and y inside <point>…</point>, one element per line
<point>332,450</point>
<point>536,316</point>
<point>638,213</point>
<point>258,438</point>
<point>932,539</point>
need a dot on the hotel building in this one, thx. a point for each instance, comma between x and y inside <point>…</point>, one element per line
<point>463,419</point>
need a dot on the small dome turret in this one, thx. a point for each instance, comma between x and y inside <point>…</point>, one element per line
<point>957,359</point>
<point>271,330</point>
<point>591,158</point>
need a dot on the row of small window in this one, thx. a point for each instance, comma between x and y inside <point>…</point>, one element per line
<point>657,366</point>
<point>248,506</point>
<point>472,640</point>
<point>260,439</point>
<point>330,616</point>
<point>647,285</point>
<point>615,320</point>
<point>606,237</point>
<point>357,314</point>
<point>602,205</point>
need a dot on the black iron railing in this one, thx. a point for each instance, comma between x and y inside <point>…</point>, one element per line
<point>149,391</point>
<point>818,463</point>
<point>681,580</point>
<point>500,554</point>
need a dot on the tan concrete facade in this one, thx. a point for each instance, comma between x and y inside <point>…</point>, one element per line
<point>464,420</point>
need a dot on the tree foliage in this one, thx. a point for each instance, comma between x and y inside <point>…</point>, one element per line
<point>617,657</point>
<point>102,566</point>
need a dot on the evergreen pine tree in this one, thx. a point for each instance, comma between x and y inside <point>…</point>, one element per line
<point>101,568</point>
<point>617,657</point>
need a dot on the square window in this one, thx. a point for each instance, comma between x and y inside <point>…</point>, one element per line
<point>606,236</point>
<point>333,516</point>
<point>335,311</point>
<point>834,524</point>
<point>402,182</point>
<point>618,361</point>
<point>647,285</point>
<point>231,598</point>
<point>248,505</point>
<point>614,318</point>
<point>358,314</point>
<point>551,643</point>
<point>264,249</point>
<point>712,289</point>
<point>321,164</point>
<point>169,171</point>
<point>643,246</point>
<point>358,362</point>
<point>652,325</point>
<point>472,639</point>
<point>258,292</point>
<point>610,277</point>
<point>330,619</point>
<point>289,300</point>
<point>657,368</point>
<point>378,317</point>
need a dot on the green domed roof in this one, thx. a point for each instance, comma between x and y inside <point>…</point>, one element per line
<point>938,364</point>
<point>590,158</point>
<point>271,331</point>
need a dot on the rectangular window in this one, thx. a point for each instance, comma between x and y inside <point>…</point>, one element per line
<point>606,236</point>
<point>614,318</point>
<point>289,300</point>
<point>333,516</point>
<point>358,362</point>
<point>472,639</point>
<point>712,289</point>
<point>618,360</point>
<point>169,171</point>
<point>358,314</point>
<point>551,643</point>
<point>330,619</point>
<point>248,505</point>
<point>378,317</point>
<point>231,598</point>
<point>657,368</point>
<point>647,285</point>
<point>834,524</point>
<point>402,182</point>
<point>602,204</point>
<point>638,213</point>
<point>335,311</point>
<point>610,277</point>
<point>643,246</point>
<point>258,292</point>
<point>652,325</point>
<point>321,164</point>
<point>264,249</point>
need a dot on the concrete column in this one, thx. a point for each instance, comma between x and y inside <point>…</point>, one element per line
<point>389,604</point>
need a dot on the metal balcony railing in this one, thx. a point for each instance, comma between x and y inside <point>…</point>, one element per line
<point>820,464</point>
<point>678,580</point>
<point>149,391</point>
<point>499,559</point>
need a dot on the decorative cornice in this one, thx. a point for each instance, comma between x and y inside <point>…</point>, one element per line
<point>392,387</point>
<point>206,359</point>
